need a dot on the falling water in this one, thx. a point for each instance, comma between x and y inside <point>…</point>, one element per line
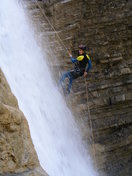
<point>53,129</point>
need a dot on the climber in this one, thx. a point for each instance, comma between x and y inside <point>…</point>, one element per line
<point>80,68</point>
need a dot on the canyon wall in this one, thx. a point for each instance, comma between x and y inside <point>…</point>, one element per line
<point>105,27</point>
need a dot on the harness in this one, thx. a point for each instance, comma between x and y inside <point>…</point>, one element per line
<point>80,66</point>
<point>82,62</point>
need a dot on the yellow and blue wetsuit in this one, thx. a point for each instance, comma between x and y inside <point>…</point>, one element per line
<point>79,69</point>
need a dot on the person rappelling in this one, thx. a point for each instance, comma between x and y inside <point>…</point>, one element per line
<point>82,66</point>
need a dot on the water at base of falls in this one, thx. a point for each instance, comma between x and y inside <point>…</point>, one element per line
<point>53,129</point>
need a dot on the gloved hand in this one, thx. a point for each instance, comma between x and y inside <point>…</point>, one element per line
<point>70,54</point>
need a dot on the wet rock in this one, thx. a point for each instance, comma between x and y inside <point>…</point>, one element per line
<point>17,154</point>
<point>105,27</point>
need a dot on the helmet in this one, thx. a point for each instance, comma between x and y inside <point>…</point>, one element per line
<point>82,47</point>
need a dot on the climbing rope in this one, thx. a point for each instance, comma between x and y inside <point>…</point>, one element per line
<point>90,120</point>
<point>89,115</point>
<point>43,13</point>
<point>88,109</point>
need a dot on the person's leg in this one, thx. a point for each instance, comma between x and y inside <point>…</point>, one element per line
<point>72,75</point>
<point>64,76</point>
<point>70,84</point>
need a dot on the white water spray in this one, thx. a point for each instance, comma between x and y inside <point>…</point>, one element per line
<point>53,129</point>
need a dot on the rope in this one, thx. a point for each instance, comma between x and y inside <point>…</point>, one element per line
<point>43,13</point>
<point>89,116</point>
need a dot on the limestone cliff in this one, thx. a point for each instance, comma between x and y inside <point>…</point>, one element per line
<point>105,27</point>
<point>17,154</point>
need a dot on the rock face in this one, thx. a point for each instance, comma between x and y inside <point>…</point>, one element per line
<point>105,27</point>
<point>17,154</point>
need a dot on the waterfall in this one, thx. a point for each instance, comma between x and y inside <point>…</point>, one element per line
<point>53,129</point>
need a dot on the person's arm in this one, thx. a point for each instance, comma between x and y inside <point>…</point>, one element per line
<point>72,59</point>
<point>89,65</point>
